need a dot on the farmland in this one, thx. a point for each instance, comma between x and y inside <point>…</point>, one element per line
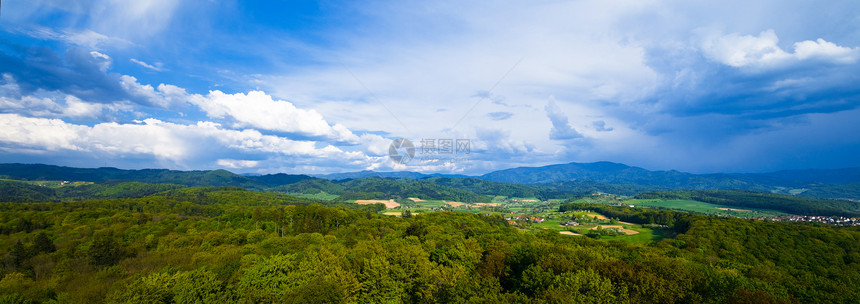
<point>706,208</point>
<point>141,238</point>
<point>532,215</point>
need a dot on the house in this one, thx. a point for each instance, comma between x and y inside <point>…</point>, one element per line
<point>570,223</point>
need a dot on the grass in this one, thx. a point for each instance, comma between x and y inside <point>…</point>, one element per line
<point>645,235</point>
<point>319,196</point>
<point>48,184</point>
<point>706,208</point>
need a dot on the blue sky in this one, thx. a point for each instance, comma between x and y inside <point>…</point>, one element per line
<point>320,87</point>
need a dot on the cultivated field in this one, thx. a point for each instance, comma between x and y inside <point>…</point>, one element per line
<point>454,204</point>
<point>625,230</point>
<point>388,203</point>
<point>706,208</point>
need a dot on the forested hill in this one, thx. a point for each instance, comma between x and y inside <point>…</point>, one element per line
<point>556,181</point>
<point>387,188</point>
<point>155,176</point>
<point>229,245</point>
<point>614,173</point>
<point>749,199</point>
<point>832,183</point>
<point>368,173</point>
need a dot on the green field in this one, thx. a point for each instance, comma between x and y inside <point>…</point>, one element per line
<point>49,184</point>
<point>645,235</point>
<point>706,208</point>
<point>320,196</point>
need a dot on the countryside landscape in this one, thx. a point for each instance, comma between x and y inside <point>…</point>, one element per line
<point>80,235</point>
<point>382,151</point>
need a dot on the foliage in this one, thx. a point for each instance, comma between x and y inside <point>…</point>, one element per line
<point>781,202</point>
<point>831,191</point>
<point>226,244</point>
<point>153,176</point>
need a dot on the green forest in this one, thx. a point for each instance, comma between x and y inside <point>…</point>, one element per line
<point>228,244</point>
<point>781,202</point>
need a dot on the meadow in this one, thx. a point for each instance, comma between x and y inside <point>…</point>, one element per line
<point>705,208</point>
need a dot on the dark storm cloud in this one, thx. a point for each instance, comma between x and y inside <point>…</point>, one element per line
<point>700,87</point>
<point>76,72</point>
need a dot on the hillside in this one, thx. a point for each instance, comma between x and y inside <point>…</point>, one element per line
<point>230,245</point>
<point>614,173</point>
<point>18,191</point>
<point>780,202</point>
<point>554,181</point>
<point>368,173</point>
<point>36,172</point>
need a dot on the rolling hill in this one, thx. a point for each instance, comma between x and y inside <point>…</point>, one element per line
<point>35,172</point>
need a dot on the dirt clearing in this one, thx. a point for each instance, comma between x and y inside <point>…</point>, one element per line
<point>626,231</point>
<point>599,216</point>
<point>454,204</point>
<point>417,200</point>
<point>388,204</point>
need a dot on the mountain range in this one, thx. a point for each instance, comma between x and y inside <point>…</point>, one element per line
<point>571,177</point>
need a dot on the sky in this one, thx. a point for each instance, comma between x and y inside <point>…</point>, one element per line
<point>318,87</point>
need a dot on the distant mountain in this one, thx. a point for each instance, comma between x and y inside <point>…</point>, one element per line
<point>155,176</point>
<point>615,173</point>
<point>626,180</point>
<point>553,181</point>
<point>272,180</point>
<point>18,191</point>
<point>368,173</point>
<point>812,176</point>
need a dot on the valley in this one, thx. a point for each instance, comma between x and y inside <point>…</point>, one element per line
<point>436,239</point>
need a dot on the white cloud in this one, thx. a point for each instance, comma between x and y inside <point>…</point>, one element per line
<point>236,164</point>
<point>374,144</point>
<point>258,109</point>
<point>255,109</point>
<point>39,133</point>
<point>561,129</point>
<point>79,109</point>
<point>764,51</point>
<point>166,96</point>
<point>157,68</point>
<point>83,37</point>
<point>104,61</point>
<point>162,140</point>
<point>826,51</point>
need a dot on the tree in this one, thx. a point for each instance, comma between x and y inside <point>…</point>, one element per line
<point>43,244</point>
<point>19,254</point>
<point>105,251</point>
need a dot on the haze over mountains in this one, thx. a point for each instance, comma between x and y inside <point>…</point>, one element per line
<point>573,177</point>
<point>616,173</point>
